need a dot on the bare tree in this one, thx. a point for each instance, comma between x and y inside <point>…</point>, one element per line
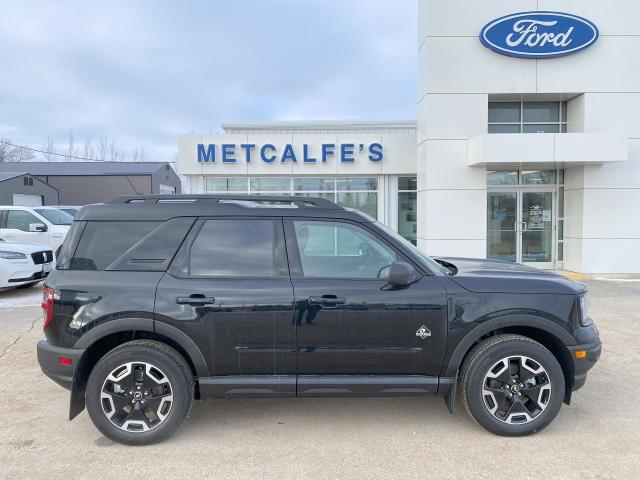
<point>72,148</point>
<point>88,149</point>
<point>115,152</point>
<point>48,149</point>
<point>139,155</point>
<point>103,147</point>
<point>13,153</point>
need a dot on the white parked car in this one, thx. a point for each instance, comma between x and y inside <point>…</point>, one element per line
<point>23,265</point>
<point>70,209</point>
<point>39,225</point>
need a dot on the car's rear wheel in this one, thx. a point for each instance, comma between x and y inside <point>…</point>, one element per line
<point>140,392</point>
<point>512,385</point>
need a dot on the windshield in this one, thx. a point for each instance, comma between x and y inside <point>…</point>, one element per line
<point>431,263</point>
<point>70,211</point>
<point>55,216</point>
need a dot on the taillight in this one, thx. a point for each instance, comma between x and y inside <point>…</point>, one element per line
<point>47,306</point>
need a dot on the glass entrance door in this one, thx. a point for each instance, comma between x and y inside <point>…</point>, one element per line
<point>520,226</point>
<point>502,216</point>
<point>536,228</point>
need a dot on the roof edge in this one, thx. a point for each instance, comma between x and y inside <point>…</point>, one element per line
<point>313,124</point>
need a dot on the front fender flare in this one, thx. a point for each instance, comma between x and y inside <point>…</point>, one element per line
<point>454,362</point>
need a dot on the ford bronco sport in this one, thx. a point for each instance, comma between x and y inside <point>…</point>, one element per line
<point>156,301</point>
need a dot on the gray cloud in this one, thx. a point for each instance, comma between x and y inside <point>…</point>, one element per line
<point>143,72</point>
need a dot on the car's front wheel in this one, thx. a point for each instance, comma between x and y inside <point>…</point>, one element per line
<point>140,392</point>
<point>512,385</point>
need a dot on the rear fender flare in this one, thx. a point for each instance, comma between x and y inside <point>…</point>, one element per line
<point>121,325</point>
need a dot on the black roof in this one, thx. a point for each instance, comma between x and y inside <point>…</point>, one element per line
<point>164,207</point>
<point>83,168</point>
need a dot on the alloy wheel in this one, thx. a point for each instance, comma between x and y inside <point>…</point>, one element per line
<point>136,396</point>
<point>516,389</point>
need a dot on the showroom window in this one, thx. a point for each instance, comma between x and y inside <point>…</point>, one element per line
<point>527,117</point>
<point>407,208</point>
<point>360,193</point>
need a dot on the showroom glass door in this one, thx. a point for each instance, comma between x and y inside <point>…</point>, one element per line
<point>520,226</point>
<point>536,228</point>
<point>502,218</point>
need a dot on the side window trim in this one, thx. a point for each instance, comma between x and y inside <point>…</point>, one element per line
<point>293,253</point>
<point>180,265</point>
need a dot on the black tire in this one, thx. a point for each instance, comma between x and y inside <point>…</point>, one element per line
<point>166,364</point>
<point>27,285</point>
<point>503,354</point>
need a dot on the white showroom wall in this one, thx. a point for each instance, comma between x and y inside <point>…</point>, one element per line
<point>602,83</point>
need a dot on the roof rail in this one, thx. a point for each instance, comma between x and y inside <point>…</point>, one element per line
<point>241,200</point>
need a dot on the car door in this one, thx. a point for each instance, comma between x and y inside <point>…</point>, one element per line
<point>229,290</point>
<point>351,323</point>
<point>17,227</point>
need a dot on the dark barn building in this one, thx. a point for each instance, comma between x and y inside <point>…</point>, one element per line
<point>19,188</point>
<point>81,183</point>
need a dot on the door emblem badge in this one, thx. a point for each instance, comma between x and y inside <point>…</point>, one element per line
<point>423,332</point>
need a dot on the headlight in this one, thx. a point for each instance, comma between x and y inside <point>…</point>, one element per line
<point>585,321</point>
<point>12,255</point>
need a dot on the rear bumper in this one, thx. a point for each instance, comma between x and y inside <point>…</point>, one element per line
<point>581,366</point>
<point>49,360</point>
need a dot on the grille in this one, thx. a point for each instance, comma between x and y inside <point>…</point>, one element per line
<point>45,256</point>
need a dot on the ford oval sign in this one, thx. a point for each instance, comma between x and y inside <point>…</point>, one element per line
<point>538,34</point>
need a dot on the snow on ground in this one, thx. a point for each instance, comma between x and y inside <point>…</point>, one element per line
<point>605,279</point>
<point>31,297</point>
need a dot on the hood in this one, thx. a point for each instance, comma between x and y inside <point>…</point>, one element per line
<point>503,276</point>
<point>26,248</point>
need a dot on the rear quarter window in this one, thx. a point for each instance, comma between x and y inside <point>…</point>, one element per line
<point>129,245</point>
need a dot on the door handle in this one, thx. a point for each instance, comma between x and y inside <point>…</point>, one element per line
<point>196,299</point>
<point>520,226</point>
<point>327,301</point>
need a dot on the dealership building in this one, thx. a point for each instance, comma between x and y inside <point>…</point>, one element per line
<point>526,145</point>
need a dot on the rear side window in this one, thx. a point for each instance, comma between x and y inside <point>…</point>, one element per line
<point>235,248</point>
<point>133,246</point>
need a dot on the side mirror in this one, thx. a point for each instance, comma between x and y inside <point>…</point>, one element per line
<point>37,227</point>
<point>400,274</point>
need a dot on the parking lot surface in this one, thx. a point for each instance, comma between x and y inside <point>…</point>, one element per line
<point>598,436</point>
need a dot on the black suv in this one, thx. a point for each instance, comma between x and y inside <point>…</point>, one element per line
<point>159,300</point>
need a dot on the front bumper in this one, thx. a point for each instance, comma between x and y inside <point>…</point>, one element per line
<point>581,366</point>
<point>49,360</point>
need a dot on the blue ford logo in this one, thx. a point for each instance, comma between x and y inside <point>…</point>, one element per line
<point>538,34</point>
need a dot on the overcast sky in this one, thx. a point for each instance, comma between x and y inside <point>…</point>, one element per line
<point>143,72</point>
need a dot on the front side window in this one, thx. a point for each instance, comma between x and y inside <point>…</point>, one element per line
<point>21,220</point>
<point>340,250</point>
<point>234,248</point>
